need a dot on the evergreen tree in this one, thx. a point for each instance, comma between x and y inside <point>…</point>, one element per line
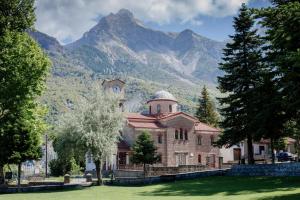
<point>206,111</point>
<point>144,151</point>
<point>242,67</point>
<point>282,36</point>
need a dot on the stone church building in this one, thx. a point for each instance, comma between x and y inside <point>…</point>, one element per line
<point>180,138</point>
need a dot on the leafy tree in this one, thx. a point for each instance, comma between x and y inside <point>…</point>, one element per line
<point>242,67</point>
<point>16,15</point>
<point>93,127</point>
<point>206,111</point>
<point>144,151</point>
<point>23,71</point>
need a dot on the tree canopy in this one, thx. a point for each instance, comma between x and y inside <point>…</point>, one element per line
<point>92,127</point>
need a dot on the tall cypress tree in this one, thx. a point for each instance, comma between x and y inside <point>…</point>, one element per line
<point>242,67</point>
<point>206,111</point>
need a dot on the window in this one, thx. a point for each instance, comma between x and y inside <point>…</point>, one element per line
<point>176,134</point>
<point>211,139</point>
<point>159,158</point>
<point>185,134</point>
<point>150,109</point>
<point>158,108</point>
<point>159,138</point>
<point>181,134</point>
<point>199,158</point>
<point>170,108</point>
<point>199,140</point>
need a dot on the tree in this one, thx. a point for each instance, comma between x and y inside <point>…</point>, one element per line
<point>144,151</point>
<point>282,36</point>
<point>23,71</point>
<point>16,15</point>
<point>242,66</point>
<point>26,134</point>
<point>93,127</point>
<point>206,111</point>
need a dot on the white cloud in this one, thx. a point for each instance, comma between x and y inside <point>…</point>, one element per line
<point>69,19</point>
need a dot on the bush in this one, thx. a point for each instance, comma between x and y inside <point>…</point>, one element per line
<point>57,167</point>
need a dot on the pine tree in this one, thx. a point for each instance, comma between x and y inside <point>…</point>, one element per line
<point>242,67</point>
<point>144,151</point>
<point>206,111</point>
<point>282,24</point>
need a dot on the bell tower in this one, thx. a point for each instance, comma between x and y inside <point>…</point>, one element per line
<point>116,86</point>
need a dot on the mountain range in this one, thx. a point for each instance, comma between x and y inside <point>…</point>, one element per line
<point>120,45</point>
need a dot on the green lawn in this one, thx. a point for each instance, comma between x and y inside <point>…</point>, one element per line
<point>225,188</point>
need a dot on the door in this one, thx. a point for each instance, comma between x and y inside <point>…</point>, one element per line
<point>236,154</point>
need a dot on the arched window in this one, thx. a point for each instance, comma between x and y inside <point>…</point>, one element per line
<point>199,158</point>
<point>170,108</point>
<point>159,139</point>
<point>199,140</point>
<point>186,135</point>
<point>212,139</point>
<point>181,134</point>
<point>158,108</point>
<point>176,134</point>
<point>150,110</point>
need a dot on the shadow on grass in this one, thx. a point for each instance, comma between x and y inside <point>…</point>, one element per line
<point>226,185</point>
<point>283,197</point>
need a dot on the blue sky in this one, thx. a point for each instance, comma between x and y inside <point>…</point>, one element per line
<point>67,20</point>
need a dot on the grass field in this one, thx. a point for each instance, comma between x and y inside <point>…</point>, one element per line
<point>214,188</point>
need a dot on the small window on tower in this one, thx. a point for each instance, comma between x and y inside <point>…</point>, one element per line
<point>150,110</point>
<point>176,134</point>
<point>170,108</point>
<point>158,108</point>
<point>212,139</point>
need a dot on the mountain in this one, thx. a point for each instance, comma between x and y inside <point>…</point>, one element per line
<point>119,45</point>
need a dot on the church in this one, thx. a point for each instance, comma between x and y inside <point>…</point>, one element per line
<point>180,138</point>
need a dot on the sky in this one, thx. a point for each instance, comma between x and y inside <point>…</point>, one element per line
<point>67,20</point>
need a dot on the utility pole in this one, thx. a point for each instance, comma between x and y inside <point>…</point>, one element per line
<point>46,157</point>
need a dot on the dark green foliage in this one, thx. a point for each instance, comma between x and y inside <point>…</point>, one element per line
<point>144,150</point>
<point>282,24</point>
<point>59,167</point>
<point>242,67</point>
<point>16,15</point>
<point>206,111</point>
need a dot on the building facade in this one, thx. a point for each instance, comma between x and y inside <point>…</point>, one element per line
<point>180,138</point>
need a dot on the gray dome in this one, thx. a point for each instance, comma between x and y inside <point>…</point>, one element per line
<point>162,94</point>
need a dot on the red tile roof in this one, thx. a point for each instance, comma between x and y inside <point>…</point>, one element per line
<point>138,120</point>
<point>200,126</point>
<point>146,125</point>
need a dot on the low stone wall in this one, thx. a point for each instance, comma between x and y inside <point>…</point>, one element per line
<point>128,173</point>
<point>158,171</point>
<point>278,169</point>
<point>168,178</point>
<point>39,188</point>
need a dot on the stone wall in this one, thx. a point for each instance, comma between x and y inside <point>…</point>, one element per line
<point>168,178</point>
<point>279,169</point>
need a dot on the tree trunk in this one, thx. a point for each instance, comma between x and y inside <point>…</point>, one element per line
<point>144,166</point>
<point>98,164</point>
<point>1,174</point>
<point>250,150</point>
<point>19,177</point>
<point>272,150</point>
